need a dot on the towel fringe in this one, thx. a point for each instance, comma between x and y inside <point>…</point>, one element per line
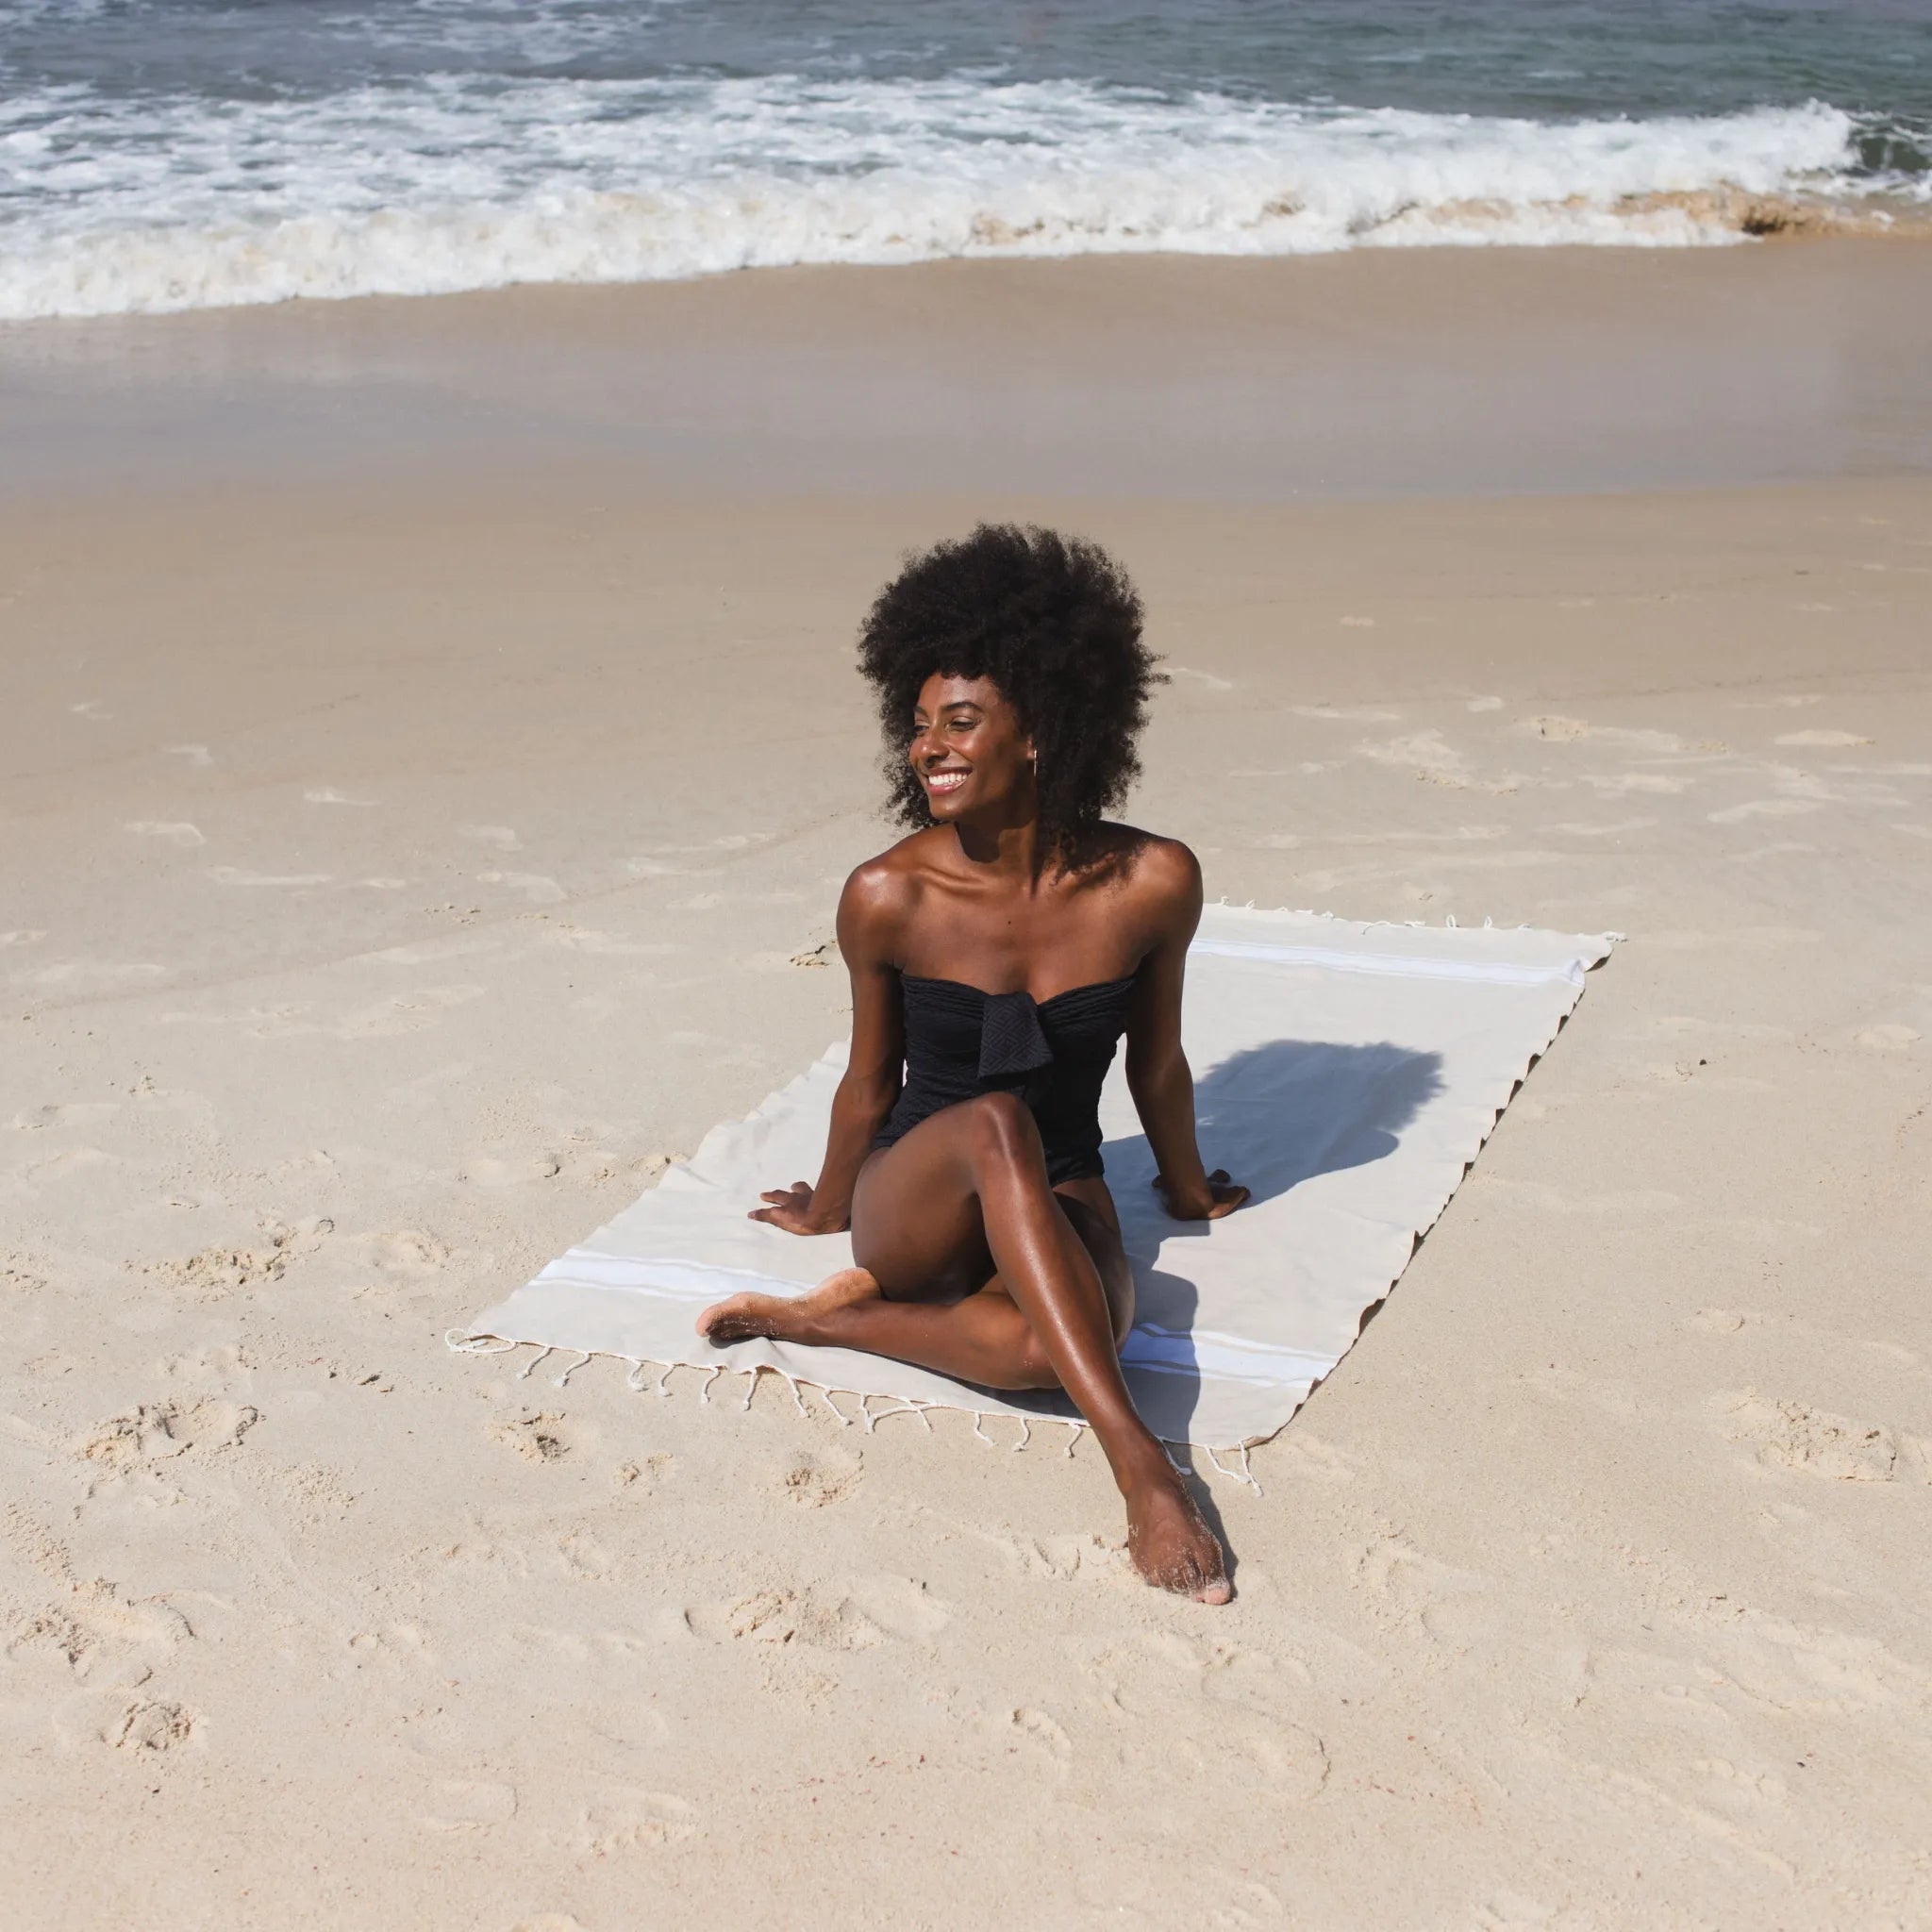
<point>908,1405</point>
<point>464,1342</point>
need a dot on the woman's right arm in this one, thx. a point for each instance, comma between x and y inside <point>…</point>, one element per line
<point>869,911</point>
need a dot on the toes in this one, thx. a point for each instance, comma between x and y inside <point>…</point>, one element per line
<point>717,1322</point>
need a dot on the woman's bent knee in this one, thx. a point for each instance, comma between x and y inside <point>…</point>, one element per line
<point>1030,1369</point>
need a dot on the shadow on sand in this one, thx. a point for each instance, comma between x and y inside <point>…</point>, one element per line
<point>1273,1116</point>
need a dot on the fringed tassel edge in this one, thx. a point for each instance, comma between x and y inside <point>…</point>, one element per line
<point>461,1341</point>
<point>1450,923</point>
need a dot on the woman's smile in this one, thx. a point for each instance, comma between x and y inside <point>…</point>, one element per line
<point>949,778</point>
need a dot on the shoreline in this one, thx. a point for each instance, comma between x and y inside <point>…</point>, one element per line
<point>1366,375</point>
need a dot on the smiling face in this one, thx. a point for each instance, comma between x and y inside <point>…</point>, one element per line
<point>967,750</point>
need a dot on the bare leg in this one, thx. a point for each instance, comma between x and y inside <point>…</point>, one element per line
<point>963,1196</point>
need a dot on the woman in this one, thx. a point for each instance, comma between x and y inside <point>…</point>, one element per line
<point>997,956</point>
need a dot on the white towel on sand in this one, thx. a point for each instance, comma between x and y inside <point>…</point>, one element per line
<point>1347,1073</point>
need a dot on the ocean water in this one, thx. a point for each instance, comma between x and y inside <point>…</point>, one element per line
<point>161,155</point>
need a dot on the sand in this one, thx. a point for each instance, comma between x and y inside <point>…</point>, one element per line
<point>414,838</point>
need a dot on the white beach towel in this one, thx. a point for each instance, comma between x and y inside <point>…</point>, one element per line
<point>1347,1073</point>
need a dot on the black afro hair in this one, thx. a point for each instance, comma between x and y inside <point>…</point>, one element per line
<point>1055,624</point>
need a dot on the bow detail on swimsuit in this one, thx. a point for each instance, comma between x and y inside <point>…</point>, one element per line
<point>1012,1044</point>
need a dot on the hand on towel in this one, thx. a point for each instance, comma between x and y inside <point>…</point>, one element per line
<point>793,1209</point>
<point>1223,1196</point>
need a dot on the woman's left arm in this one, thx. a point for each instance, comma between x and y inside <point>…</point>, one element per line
<point>1158,1073</point>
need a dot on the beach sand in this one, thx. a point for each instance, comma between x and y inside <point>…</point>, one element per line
<point>428,757</point>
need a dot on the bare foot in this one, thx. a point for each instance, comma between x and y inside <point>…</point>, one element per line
<point>1171,1546</point>
<point>784,1317</point>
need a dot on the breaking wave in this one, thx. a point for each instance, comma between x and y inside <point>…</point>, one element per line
<point>153,204</point>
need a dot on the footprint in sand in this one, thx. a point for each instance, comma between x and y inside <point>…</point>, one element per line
<point>317,1493</point>
<point>584,1559</point>
<point>1020,1739</point>
<point>814,1478</point>
<point>218,1362</point>
<point>151,1726</point>
<point>619,1821</point>
<point>220,1271</point>
<point>1218,1706</point>
<point>1050,1559</point>
<point>539,1436</point>
<point>818,1619</point>
<point>160,1431</point>
<point>900,1606</point>
<point>653,1469</point>
<point>1812,1441</point>
<point>483,1550</point>
<point>93,1645</point>
<point>1803,1669</point>
<point>408,1254</point>
<point>1403,1586</point>
<point>489,1171</point>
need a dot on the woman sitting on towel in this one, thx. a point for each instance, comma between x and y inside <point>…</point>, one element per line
<point>998,954</point>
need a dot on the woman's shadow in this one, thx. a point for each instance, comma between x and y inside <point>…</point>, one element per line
<point>1273,1116</point>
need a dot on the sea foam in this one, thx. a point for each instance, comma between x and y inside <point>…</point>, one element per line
<point>147,205</point>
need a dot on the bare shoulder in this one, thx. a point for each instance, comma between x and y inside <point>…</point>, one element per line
<point>1161,875</point>
<point>881,895</point>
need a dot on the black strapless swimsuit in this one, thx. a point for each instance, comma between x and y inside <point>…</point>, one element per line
<point>961,1041</point>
